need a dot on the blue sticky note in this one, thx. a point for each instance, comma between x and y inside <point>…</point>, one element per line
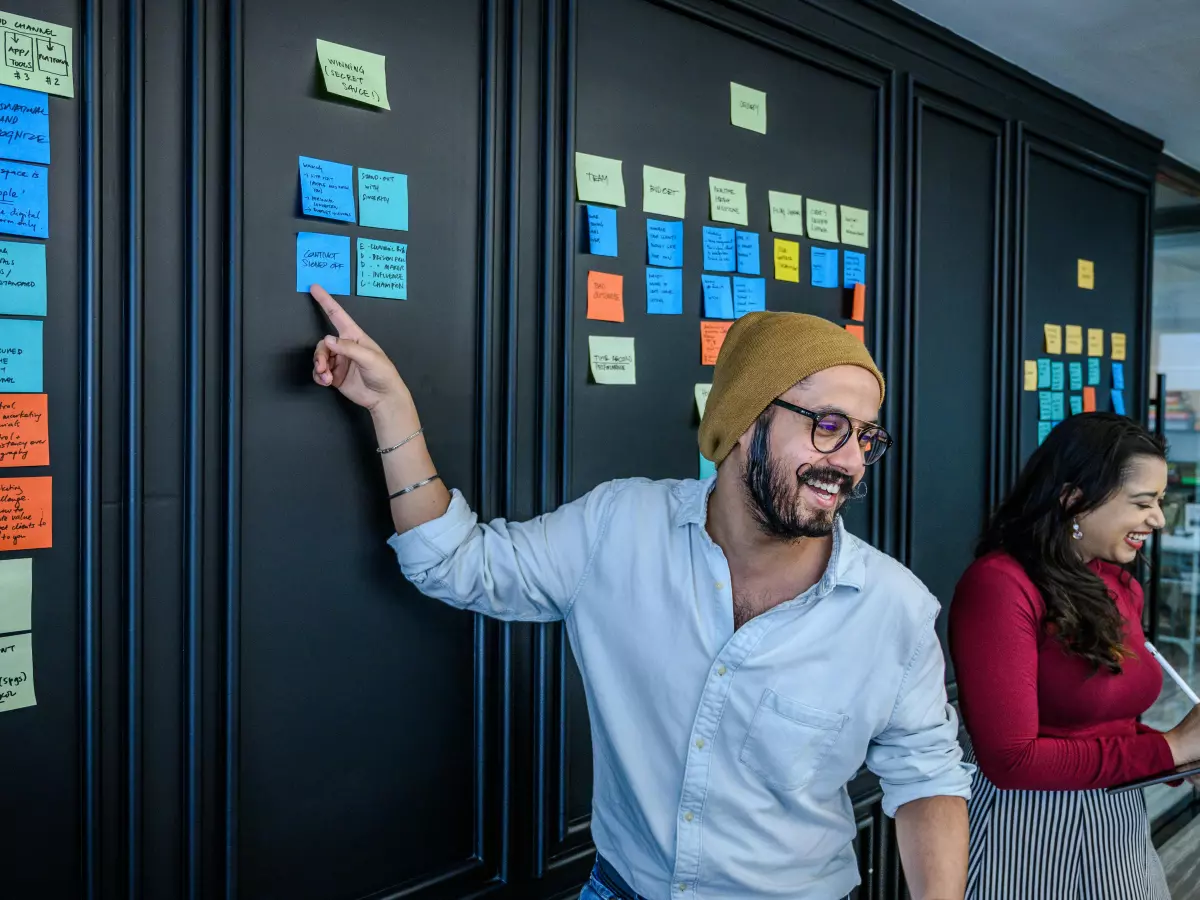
<point>1118,402</point>
<point>382,269</point>
<point>747,253</point>
<point>1118,377</point>
<point>383,199</point>
<point>24,125</point>
<point>1076,404</point>
<point>323,259</point>
<point>854,268</point>
<point>718,297</point>
<point>1043,431</point>
<point>1045,406</point>
<point>22,279</point>
<point>1057,376</point>
<point>1043,373</point>
<point>664,243</point>
<point>602,230</point>
<point>718,249</point>
<point>21,356</point>
<point>707,467</point>
<point>327,189</point>
<point>1093,370</point>
<point>664,291</point>
<point>1076,370</point>
<point>749,295</point>
<point>26,200</point>
<point>824,267</point>
<point>1058,410</point>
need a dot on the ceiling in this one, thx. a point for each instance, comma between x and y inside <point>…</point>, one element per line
<point>1136,59</point>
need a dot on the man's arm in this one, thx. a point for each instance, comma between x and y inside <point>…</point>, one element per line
<point>932,834</point>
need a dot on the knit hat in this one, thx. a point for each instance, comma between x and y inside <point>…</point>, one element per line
<point>765,354</point>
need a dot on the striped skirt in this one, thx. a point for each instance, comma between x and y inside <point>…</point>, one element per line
<point>1060,845</point>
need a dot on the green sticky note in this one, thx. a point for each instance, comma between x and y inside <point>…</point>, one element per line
<point>728,200</point>
<point>353,74</point>
<point>822,221</point>
<point>747,108</point>
<point>854,226</point>
<point>787,213</point>
<point>598,179</point>
<point>612,359</point>
<point>664,193</point>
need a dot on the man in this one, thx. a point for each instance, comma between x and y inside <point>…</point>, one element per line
<point>743,654</point>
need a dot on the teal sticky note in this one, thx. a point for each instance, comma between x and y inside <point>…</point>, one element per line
<point>602,230</point>
<point>718,297</point>
<point>719,253</point>
<point>1057,376</point>
<point>382,269</point>
<point>26,194</point>
<point>664,243</point>
<point>22,279</point>
<point>749,295</point>
<point>747,253</point>
<point>323,259</point>
<point>1076,404</point>
<point>1058,410</point>
<point>664,291</point>
<point>24,125</point>
<point>1043,432</point>
<point>327,189</point>
<point>1045,406</point>
<point>1076,372</point>
<point>1093,370</point>
<point>854,268</point>
<point>1118,376</point>
<point>824,267</point>
<point>1118,402</point>
<point>707,467</point>
<point>383,199</point>
<point>1043,366</point>
<point>21,356</point>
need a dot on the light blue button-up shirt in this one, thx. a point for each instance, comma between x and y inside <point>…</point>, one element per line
<point>721,756</point>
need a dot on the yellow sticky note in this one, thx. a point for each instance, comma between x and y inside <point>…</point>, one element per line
<point>1074,339</point>
<point>664,192</point>
<point>747,108</point>
<point>822,220</point>
<point>612,359</point>
<point>1095,342</point>
<point>787,260</point>
<point>1118,345</point>
<point>702,391</point>
<point>1031,375</point>
<point>16,595</point>
<point>38,56</point>
<point>728,199</point>
<point>787,212</point>
<point>1087,274</point>
<point>1053,338</point>
<point>16,672</point>
<point>855,226</point>
<point>353,74</point>
<point>599,179</point>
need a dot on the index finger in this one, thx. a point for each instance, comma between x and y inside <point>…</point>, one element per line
<point>338,317</point>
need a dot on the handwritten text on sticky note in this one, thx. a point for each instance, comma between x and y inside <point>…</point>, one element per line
<point>16,672</point>
<point>599,179</point>
<point>21,356</point>
<point>612,359</point>
<point>787,212</point>
<point>1043,368</point>
<point>1095,338</point>
<point>383,199</point>
<point>664,243</point>
<point>664,193</point>
<point>24,200</point>
<point>787,260</point>
<point>16,595</point>
<point>664,291</point>
<point>747,253</point>
<point>1053,338</point>
<point>728,201</point>
<point>22,279</point>
<point>1076,376</point>
<point>1057,376</point>
<point>854,268</point>
<point>712,336</point>
<point>719,249</point>
<point>855,226</point>
<point>702,392</point>
<point>354,74</point>
<point>24,125</point>
<point>747,108</point>
<point>602,230</point>
<point>382,269</point>
<point>822,220</point>
<point>37,55</point>
<point>1093,373</point>
<point>824,267</point>
<point>1118,345</point>
<point>718,296</point>
<point>606,297</point>
<point>1086,274</point>
<point>25,508</point>
<point>24,430</point>
<point>1074,337</point>
<point>749,295</point>
<point>327,189</point>
<point>323,259</point>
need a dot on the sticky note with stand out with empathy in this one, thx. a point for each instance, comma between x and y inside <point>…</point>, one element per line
<point>822,220</point>
<point>327,189</point>
<point>323,259</point>
<point>21,356</point>
<point>606,297</point>
<point>1074,335</point>
<point>602,230</point>
<point>26,192</point>
<point>728,201</point>
<point>824,267</point>
<point>747,108</point>
<point>22,279</point>
<point>664,193</point>
<point>1031,375</point>
<point>1053,338</point>
<point>598,179</point>
<point>354,74</point>
<point>16,672</point>
<point>383,199</point>
<point>749,295</point>
<point>787,260</point>
<point>25,513</point>
<point>37,55</point>
<point>712,336</point>
<point>24,125</point>
<point>747,253</point>
<point>854,268</point>
<point>1095,342</point>
<point>858,305</point>
<point>1118,345</point>
<point>855,226</point>
<point>382,269</point>
<point>664,243</point>
<point>24,430</point>
<point>612,359</point>
<point>718,296</point>
<point>1086,274</point>
<point>664,291</point>
<point>16,595</point>
<point>720,253</point>
<point>787,212</point>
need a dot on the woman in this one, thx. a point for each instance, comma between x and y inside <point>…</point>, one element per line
<point>1047,644</point>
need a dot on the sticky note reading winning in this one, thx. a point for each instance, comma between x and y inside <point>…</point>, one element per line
<point>26,194</point>
<point>822,221</point>
<point>664,291</point>
<point>1095,342</point>
<point>1118,376</point>
<point>606,297</point>
<point>747,253</point>
<point>1053,338</point>
<point>787,260</point>
<point>702,392</point>
<point>24,430</point>
<point>1076,376</point>
<point>1031,375</point>
<point>598,179</point>
<point>747,108</point>
<point>1086,274</point>
<point>855,226</point>
<point>1076,402</point>
<point>16,672</point>
<point>1089,399</point>
<point>664,193</point>
<point>719,252</point>
<point>1043,370</point>
<point>664,243</point>
<point>1057,376</point>
<point>37,55</point>
<point>354,74</point>
<point>1045,406</point>
<point>1118,345</point>
<point>22,279</point>
<point>24,125</point>
<point>25,507</point>
<point>728,201</point>
<point>854,268</point>
<point>602,230</point>
<point>383,199</point>
<point>749,295</point>
<point>712,336</point>
<point>824,267</point>
<point>382,269</point>
<point>323,259</point>
<point>612,359</point>
<point>1074,339</point>
<point>1118,402</point>
<point>718,296</point>
<point>16,595</point>
<point>787,212</point>
<point>327,189</point>
<point>21,356</point>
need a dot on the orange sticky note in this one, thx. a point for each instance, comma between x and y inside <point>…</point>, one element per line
<point>1089,399</point>
<point>712,336</point>
<point>858,331</point>
<point>25,513</point>
<point>605,297</point>
<point>859,311</point>
<point>24,430</point>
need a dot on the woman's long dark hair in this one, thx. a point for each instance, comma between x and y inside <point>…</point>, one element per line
<point>1082,463</point>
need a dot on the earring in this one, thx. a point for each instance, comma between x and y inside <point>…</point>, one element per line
<point>1075,532</point>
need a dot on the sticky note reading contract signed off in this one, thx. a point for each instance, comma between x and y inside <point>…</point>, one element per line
<point>354,74</point>
<point>612,359</point>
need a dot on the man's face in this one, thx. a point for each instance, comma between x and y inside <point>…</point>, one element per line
<point>793,489</point>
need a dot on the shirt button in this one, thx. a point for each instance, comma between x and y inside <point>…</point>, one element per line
<point>700,743</point>
<point>720,585</point>
<point>721,670</point>
<point>687,816</point>
<point>683,887</point>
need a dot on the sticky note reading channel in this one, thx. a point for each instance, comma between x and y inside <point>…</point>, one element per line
<point>747,253</point>
<point>1118,376</point>
<point>1031,375</point>
<point>787,212</point>
<point>1118,402</point>
<point>728,201</point>
<point>606,297</point>
<point>327,189</point>
<point>382,269</point>
<point>1093,376</point>
<point>1089,399</point>
<point>1043,432</point>
<point>719,252</point>
<point>24,125</point>
<point>664,291</point>
<point>383,199</point>
<point>25,507</point>
<point>612,359</point>
<point>24,430</point>
<point>1076,403</point>
<point>1053,338</point>
<point>1058,410</point>
<point>664,243</point>
<point>598,179</point>
<point>854,268</point>
<point>25,191</point>
<point>822,221</point>
<point>858,304</point>
<point>1095,342</point>
<point>602,230</point>
<point>787,260</point>
<point>855,226</point>
<point>1118,345</point>
<point>21,356</point>
<point>1057,376</point>
<point>1086,274</point>
<point>16,672</point>
<point>702,392</point>
<point>664,193</point>
<point>22,279</point>
<point>1045,406</point>
<point>323,259</point>
<point>718,296</point>
<point>749,295</point>
<point>824,267</point>
<point>1075,371</point>
<point>37,55</point>
<point>353,74</point>
<point>1043,368</point>
<point>708,468</point>
<point>1074,339</point>
<point>747,108</point>
<point>712,336</point>
<point>16,595</point>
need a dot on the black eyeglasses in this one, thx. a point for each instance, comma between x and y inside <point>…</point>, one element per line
<point>831,430</point>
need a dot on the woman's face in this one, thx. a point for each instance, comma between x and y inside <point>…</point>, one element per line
<point>1117,529</point>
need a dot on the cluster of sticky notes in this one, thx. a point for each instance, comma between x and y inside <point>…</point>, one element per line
<point>327,192</point>
<point>353,74</point>
<point>1079,378</point>
<point>16,625</point>
<point>37,55</point>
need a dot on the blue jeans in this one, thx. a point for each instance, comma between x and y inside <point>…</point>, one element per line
<point>594,890</point>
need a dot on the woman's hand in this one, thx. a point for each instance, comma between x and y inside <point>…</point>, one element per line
<point>353,363</point>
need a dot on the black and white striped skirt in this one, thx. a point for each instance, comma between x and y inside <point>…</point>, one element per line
<point>1060,845</point>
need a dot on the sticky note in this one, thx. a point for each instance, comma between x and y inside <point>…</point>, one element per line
<point>1057,376</point>
<point>16,669</point>
<point>383,199</point>
<point>1058,410</point>
<point>702,391</point>
<point>787,212</point>
<point>787,260</point>
<point>1118,345</point>
<point>718,296</point>
<point>599,179</point>
<point>16,595</point>
<point>664,193</point>
<point>382,269</point>
<point>728,201</point>
<point>1095,342</point>
<point>1118,376</point>
<point>664,243</point>
<point>612,359</point>
<point>1093,376</point>
<point>824,267</point>
<point>602,230</point>
<point>605,300</point>
<point>719,249</point>
<point>22,279</point>
<point>327,189</point>
<point>1076,402</point>
<point>854,268</point>
<point>1043,368</point>
<point>1031,375</point>
<point>1089,399</point>
<point>323,259</point>
<point>1086,274</point>
<point>37,55</point>
<point>1045,406</point>
<point>858,331</point>
<point>1118,401</point>
<point>1043,432</point>
<point>707,468</point>
<point>1076,376</point>
<point>25,507</point>
<point>1074,339</point>
<point>26,193</point>
<point>855,226</point>
<point>712,336</point>
<point>24,430</point>
<point>858,305</point>
<point>24,125</point>
<point>1053,338</point>
<point>747,253</point>
<point>353,74</point>
<point>664,291</point>
<point>822,221</point>
<point>749,295</point>
<point>747,108</point>
<point>21,356</point>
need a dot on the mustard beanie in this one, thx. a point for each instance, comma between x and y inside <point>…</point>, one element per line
<point>765,354</point>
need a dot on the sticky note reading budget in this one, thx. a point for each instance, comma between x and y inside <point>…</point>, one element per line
<point>354,74</point>
<point>598,179</point>
<point>728,201</point>
<point>747,108</point>
<point>382,269</point>
<point>747,253</point>
<point>664,291</point>
<point>26,193</point>
<point>1095,342</point>
<point>712,336</point>
<point>25,507</point>
<point>719,249</point>
<point>602,230</point>
<point>383,199</point>
<point>1086,274</point>
<point>1093,376</point>
<point>21,356</point>
<point>664,193</point>
<point>327,189</point>
<point>787,260</point>
<point>1031,375</point>
<point>854,268</point>
<point>1118,376</point>
<point>1057,376</point>
<point>855,223</point>
<point>323,259</point>
<point>702,392</point>
<point>612,359</point>
<point>1076,376</point>
<point>1118,345</point>
<point>664,243</point>
<point>24,430</point>
<point>24,125</point>
<point>606,297</point>
<point>1043,368</point>
<point>16,672</point>
<point>787,212</point>
<point>38,55</point>
<point>1053,338</point>
<point>749,295</point>
<point>824,267</point>
<point>16,595</point>
<point>822,221</point>
<point>22,279</point>
<point>1074,339</point>
<point>718,296</point>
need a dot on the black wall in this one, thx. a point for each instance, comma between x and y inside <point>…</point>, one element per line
<point>238,694</point>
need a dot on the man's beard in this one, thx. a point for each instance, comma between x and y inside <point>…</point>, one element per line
<point>774,494</point>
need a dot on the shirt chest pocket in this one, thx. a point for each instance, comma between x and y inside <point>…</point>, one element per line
<point>788,740</point>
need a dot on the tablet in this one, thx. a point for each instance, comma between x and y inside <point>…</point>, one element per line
<point>1176,774</point>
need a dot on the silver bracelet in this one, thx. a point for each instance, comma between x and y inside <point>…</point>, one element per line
<point>413,487</point>
<point>401,444</point>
